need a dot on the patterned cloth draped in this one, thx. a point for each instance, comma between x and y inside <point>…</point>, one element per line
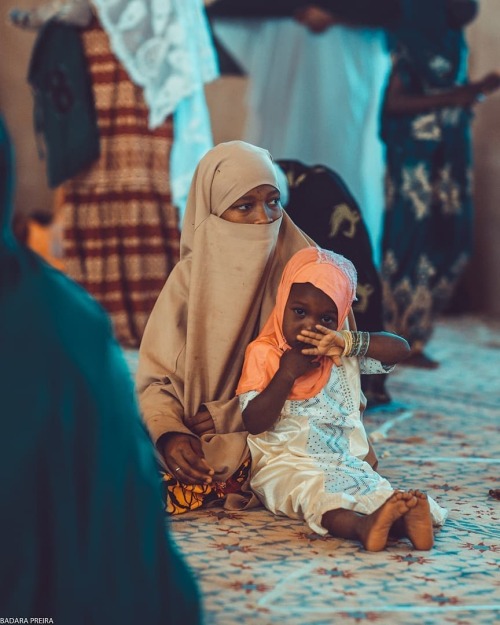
<point>180,498</point>
<point>322,206</point>
<point>428,223</point>
<point>121,229</point>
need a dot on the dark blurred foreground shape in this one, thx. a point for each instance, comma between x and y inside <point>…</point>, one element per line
<point>83,537</point>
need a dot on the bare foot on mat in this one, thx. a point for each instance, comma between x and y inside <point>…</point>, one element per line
<point>418,522</point>
<point>379,523</point>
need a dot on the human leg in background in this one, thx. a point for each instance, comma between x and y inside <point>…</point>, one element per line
<point>121,229</point>
<point>427,241</point>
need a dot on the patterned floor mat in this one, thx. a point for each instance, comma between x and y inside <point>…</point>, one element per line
<point>441,435</point>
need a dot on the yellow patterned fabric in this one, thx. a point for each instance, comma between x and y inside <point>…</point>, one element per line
<point>180,498</point>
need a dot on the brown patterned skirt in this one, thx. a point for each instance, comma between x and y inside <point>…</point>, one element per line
<point>121,229</point>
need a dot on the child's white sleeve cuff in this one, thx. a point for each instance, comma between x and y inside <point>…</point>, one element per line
<point>369,366</point>
<point>246,398</point>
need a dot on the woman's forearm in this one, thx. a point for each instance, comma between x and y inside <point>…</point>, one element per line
<point>404,103</point>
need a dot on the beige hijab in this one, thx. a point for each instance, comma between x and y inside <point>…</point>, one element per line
<point>213,304</point>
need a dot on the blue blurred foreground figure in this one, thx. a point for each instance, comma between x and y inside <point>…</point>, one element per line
<point>82,534</point>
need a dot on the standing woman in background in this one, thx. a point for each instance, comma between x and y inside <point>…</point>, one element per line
<point>426,128</point>
<point>327,62</point>
<point>148,63</point>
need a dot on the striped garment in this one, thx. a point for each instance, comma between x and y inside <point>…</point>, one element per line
<point>121,229</point>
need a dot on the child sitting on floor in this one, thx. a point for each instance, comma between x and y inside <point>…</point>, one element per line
<point>301,406</point>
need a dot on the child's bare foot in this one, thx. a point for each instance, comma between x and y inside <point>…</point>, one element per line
<point>418,522</point>
<point>377,525</point>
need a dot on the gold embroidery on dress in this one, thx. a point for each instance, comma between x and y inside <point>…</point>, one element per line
<point>343,213</point>
<point>363,292</point>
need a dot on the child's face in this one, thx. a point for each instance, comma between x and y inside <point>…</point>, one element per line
<point>306,307</point>
<point>260,205</point>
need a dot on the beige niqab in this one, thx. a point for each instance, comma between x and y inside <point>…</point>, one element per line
<point>213,304</point>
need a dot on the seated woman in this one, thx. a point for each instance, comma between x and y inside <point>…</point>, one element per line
<point>236,240</point>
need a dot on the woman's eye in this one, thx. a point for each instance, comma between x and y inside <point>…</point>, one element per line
<point>243,207</point>
<point>275,202</point>
<point>327,319</point>
<point>299,311</point>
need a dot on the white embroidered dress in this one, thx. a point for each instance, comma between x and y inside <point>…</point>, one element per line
<point>312,459</point>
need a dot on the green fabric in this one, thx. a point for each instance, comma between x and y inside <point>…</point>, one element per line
<point>82,530</point>
<point>64,109</point>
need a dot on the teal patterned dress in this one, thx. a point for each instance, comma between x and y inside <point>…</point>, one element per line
<point>428,221</point>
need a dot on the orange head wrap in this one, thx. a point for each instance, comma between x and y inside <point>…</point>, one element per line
<point>336,277</point>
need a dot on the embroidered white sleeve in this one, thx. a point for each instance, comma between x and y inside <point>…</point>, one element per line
<point>370,366</point>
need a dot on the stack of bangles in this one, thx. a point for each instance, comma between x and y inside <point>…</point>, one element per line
<point>356,343</point>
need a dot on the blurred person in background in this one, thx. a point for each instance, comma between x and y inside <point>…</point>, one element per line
<point>317,73</point>
<point>427,119</point>
<point>147,63</point>
<point>83,536</point>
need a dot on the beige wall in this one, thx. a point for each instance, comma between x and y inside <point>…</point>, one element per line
<point>227,103</point>
<point>16,104</point>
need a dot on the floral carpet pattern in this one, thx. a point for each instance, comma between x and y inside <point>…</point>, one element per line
<point>440,434</point>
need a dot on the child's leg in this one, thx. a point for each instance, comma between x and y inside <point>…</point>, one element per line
<point>372,530</point>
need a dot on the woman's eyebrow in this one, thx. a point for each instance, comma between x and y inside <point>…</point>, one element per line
<point>244,198</point>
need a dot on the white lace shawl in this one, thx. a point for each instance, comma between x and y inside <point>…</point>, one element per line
<point>166,48</point>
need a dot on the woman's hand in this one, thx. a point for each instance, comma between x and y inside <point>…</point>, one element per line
<point>185,459</point>
<point>490,83</point>
<point>325,342</point>
<point>472,93</point>
<point>316,19</point>
<point>475,92</point>
<point>201,423</point>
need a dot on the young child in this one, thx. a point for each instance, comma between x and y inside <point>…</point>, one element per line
<point>300,397</point>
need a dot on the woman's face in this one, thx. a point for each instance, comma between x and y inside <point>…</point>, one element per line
<point>306,307</point>
<point>260,205</point>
